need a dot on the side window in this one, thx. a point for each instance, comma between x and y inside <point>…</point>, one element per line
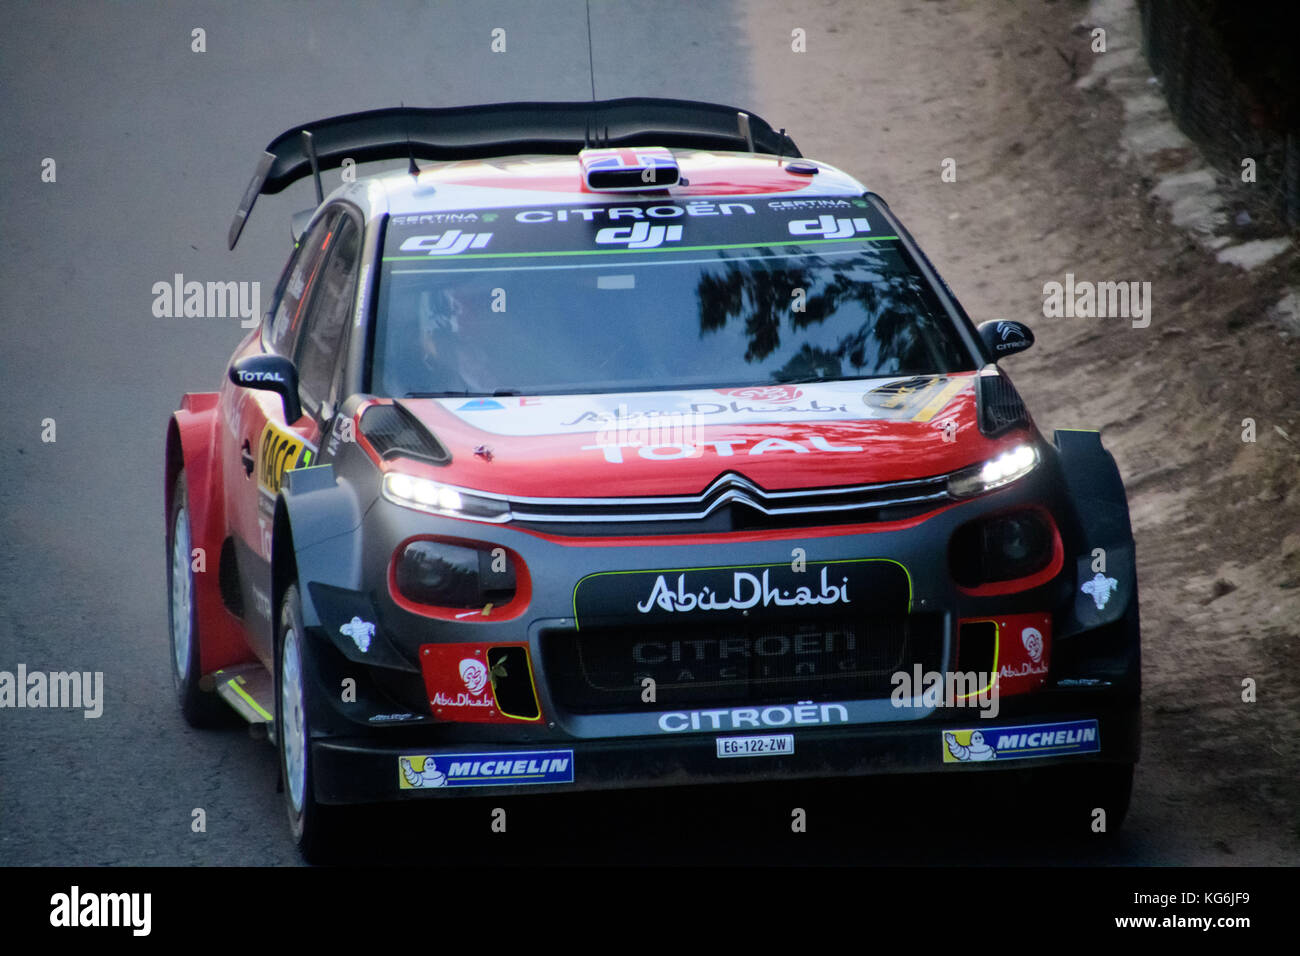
<point>298,284</point>
<point>328,316</point>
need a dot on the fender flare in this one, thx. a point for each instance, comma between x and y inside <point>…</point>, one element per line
<point>307,544</point>
<point>1096,491</point>
<point>191,444</point>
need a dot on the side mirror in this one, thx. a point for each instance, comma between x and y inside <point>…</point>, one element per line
<point>1003,337</point>
<point>271,373</point>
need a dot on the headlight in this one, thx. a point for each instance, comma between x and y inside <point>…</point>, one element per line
<point>994,473</point>
<point>425,494</point>
<point>448,575</point>
<point>1004,547</point>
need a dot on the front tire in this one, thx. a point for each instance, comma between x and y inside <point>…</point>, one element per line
<point>200,708</point>
<point>314,826</point>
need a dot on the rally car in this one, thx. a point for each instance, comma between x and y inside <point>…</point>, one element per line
<point>616,444</point>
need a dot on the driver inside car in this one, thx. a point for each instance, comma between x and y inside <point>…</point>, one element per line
<point>444,354</point>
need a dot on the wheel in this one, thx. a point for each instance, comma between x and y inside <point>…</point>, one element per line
<point>200,708</point>
<point>314,826</point>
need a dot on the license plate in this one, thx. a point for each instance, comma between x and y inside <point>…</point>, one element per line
<point>764,746</point>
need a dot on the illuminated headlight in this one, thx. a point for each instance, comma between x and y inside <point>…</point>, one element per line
<point>994,473</point>
<point>425,494</point>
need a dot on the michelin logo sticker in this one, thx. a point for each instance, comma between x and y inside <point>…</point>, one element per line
<point>1017,743</point>
<point>1099,589</point>
<point>427,776</point>
<point>976,749</point>
<point>360,631</point>
<point>484,770</point>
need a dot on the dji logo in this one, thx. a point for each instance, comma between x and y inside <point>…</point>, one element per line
<point>640,235</point>
<point>447,243</point>
<point>829,227</point>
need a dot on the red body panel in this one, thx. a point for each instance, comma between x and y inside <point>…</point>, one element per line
<point>1024,650</point>
<point>244,414</point>
<point>806,455</point>
<point>223,641</point>
<point>459,687</point>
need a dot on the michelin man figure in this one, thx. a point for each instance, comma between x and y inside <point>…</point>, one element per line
<point>978,749</point>
<point>430,777</point>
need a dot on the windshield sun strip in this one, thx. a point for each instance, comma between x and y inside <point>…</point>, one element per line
<point>635,252</point>
<point>622,265</point>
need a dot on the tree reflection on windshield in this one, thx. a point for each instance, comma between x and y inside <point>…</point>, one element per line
<point>890,314</point>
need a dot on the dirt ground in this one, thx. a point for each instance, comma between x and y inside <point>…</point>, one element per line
<point>1044,187</point>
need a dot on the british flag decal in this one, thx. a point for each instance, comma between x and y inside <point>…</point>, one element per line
<point>629,168</point>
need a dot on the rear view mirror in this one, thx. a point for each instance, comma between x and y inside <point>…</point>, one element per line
<point>271,373</point>
<point>1004,337</point>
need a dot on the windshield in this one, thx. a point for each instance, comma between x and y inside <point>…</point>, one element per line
<point>652,295</point>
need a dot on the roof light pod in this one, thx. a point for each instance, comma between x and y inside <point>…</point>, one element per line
<point>629,169</point>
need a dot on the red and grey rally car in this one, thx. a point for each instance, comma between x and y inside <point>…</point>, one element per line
<point>615,444</point>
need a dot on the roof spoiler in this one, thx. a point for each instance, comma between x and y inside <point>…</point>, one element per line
<point>502,129</point>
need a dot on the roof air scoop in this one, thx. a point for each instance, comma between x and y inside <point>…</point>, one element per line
<point>629,169</point>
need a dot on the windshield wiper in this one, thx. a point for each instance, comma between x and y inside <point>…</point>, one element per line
<point>453,393</point>
<point>813,380</point>
<point>446,393</point>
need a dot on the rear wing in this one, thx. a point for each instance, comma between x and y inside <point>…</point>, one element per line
<point>502,129</point>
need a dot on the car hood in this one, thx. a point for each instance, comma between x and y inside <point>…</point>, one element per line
<point>677,442</point>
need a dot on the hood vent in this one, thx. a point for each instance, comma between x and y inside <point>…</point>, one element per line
<point>394,432</point>
<point>999,405</point>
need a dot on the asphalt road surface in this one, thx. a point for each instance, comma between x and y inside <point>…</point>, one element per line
<point>153,145</point>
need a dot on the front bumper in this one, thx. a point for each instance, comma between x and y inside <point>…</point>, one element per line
<point>1094,673</point>
<point>361,770</point>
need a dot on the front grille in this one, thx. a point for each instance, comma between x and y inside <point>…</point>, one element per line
<point>732,503</point>
<point>602,669</point>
